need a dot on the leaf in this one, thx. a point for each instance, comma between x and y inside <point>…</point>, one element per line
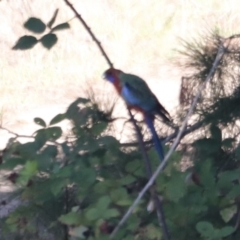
<point>226,231</point>
<point>13,162</point>
<point>58,118</point>
<point>111,213</point>
<point>35,25</point>
<point>70,218</point>
<point>41,137</point>
<point>40,122</point>
<point>29,170</point>
<point>54,132</point>
<point>152,232</point>
<point>227,177</point>
<point>92,214</point>
<point>228,213</point>
<point>235,192</point>
<point>133,166</point>
<point>206,229</point>
<point>25,42</point>
<point>49,40</point>
<point>98,128</point>
<point>176,187</point>
<point>228,142</point>
<point>85,176</point>
<point>108,141</point>
<point>50,151</point>
<point>127,180</point>
<point>61,26</point>
<point>57,185</point>
<point>216,133</point>
<point>238,152</point>
<point>103,202</point>
<point>207,174</point>
<point>53,19</point>
<point>120,197</point>
<point>207,145</point>
<point>72,111</point>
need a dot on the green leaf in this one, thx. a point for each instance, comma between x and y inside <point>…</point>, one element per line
<point>70,218</point>
<point>227,177</point>
<point>238,152</point>
<point>216,133</point>
<point>84,176</point>
<point>103,202</point>
<point>50,151</point>
<point>120,197</point>
<point>29,170</point>
<point>73,110</point>
<point>207,145</point>
<point>153,232</point>
<point>235,192</point>
<point>226,231</point>
<point>25,42</point>
<point>40,122</point>
<point>207,174</point>
<point>132,166</point>
<point>35,25</point>
<point>58,118</point>
<point>228,142</point>
<point>13,162</point>
<point>206,229</point>
<point>57,185</point>
<point>54,132</point>
<point>92,214</point>
<point>61,26</point>
<point>111,213</point>
<point>228,213</point>
<point>127,180</point>
<point>53,19</point>
<point>108,141</point>
<point>176,187</point>
<point>49,40</point>
<point>99,128</point>
<point>41,137</point>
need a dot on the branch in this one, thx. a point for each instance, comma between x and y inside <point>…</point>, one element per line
<point>26,136</point>
<point>188,130</point>
<point>157,201</point>
<point>90,32</point>
<point>221,51</point>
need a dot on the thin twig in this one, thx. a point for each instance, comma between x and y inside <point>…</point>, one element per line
<point>157,201</point>
<point>221,51</point>
<point>170,137</point>
<point>26,136</point>
<point>90,32</point>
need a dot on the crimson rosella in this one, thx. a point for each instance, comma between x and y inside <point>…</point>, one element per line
<point>138,96</point>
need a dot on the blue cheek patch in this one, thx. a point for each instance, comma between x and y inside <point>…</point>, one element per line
<point>110,79</point>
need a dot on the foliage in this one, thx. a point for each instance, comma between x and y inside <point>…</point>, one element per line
<point>37,26</point>
<point>81,183</point>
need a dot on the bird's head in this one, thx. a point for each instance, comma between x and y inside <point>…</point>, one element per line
<point>111,74</point>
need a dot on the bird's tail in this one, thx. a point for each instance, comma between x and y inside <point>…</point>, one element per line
<point>158,145</point>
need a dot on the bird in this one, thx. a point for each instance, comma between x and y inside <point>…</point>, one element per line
<point>138,96</point>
